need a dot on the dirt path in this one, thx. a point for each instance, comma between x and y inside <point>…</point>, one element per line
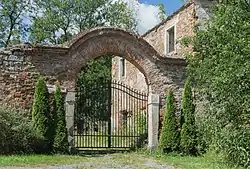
<point>112,161</point>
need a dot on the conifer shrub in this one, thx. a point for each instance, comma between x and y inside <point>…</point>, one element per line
<point>60,142</point>
<point>41,116</point>
<point>169,139</point>
<point>188,141</point>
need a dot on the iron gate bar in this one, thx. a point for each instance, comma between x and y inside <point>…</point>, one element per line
<point>109,114</point>
<point>120,128</point>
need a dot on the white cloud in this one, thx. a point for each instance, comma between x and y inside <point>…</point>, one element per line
<point>146,14</point>
<point>148,17</point>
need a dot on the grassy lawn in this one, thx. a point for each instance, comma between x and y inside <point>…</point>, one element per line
<point>136,159</point>
<point>207,161</point>
<point>38,160</point>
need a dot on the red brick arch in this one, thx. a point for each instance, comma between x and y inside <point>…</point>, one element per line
<point>102,40</point>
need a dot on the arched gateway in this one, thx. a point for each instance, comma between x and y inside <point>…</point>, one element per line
<point>102,41</point>
<point>120,129</point>
<point>21,65</point>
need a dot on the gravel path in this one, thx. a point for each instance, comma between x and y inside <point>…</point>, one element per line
<point>108,162</point>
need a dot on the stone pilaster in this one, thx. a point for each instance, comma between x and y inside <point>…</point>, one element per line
<point>70,107</point>
<point>153,120</point>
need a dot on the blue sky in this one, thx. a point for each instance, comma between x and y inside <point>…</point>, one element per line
<point>170,5</point>
<point>148,12</point>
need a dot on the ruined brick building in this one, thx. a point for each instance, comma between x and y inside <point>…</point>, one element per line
<point>166,39</point>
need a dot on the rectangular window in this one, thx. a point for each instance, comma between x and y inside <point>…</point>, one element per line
<point>122,67</point>
<point>170,40</point>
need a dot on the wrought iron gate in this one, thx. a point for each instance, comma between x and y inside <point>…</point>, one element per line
<point>110,116</point>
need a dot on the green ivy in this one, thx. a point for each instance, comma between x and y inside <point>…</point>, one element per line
<point>220,68</point>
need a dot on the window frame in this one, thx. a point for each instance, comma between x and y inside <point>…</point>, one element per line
<point>166,43</point>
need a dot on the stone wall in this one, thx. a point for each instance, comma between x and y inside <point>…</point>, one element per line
<point>16,81</point>
<point>184,22</point>
<point>19,73</point>
<point>133,77</point>
<point>202,11</point>
<point>191,15</point>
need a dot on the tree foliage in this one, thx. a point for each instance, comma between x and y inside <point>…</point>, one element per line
<point>52,21</point>
<point>188,141</point>
<point>12,13</point>
<point>60,142</point>
<point>58,20</point>
<point>162,14</point>
<point>220,68</point>
<point>169,139</point>
<point>41,110</point>
<point>92,83</point>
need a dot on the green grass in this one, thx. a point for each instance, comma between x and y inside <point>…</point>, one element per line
<point>207,161</point>
<point>35,160</point>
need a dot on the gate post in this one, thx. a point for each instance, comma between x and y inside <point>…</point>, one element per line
<point>69,110</point>
<point>153,120</point>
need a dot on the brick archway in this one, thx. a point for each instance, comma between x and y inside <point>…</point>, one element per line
<point>102,40</point>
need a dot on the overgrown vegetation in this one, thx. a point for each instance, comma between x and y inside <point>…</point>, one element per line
<point>17,134</point>
<point>220,68</point>
<point>60,139</point>
<point>41,116</point>
<point>170,136</point>
<point>189,140</point>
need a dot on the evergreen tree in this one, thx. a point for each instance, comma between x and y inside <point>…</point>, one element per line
<point>41,110</point>
<point>60,144</point>
<point>169,140</point>
<point>188,133</point>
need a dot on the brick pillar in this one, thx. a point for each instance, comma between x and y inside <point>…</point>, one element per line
<point>70,107</point>
<point>153,120</point>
